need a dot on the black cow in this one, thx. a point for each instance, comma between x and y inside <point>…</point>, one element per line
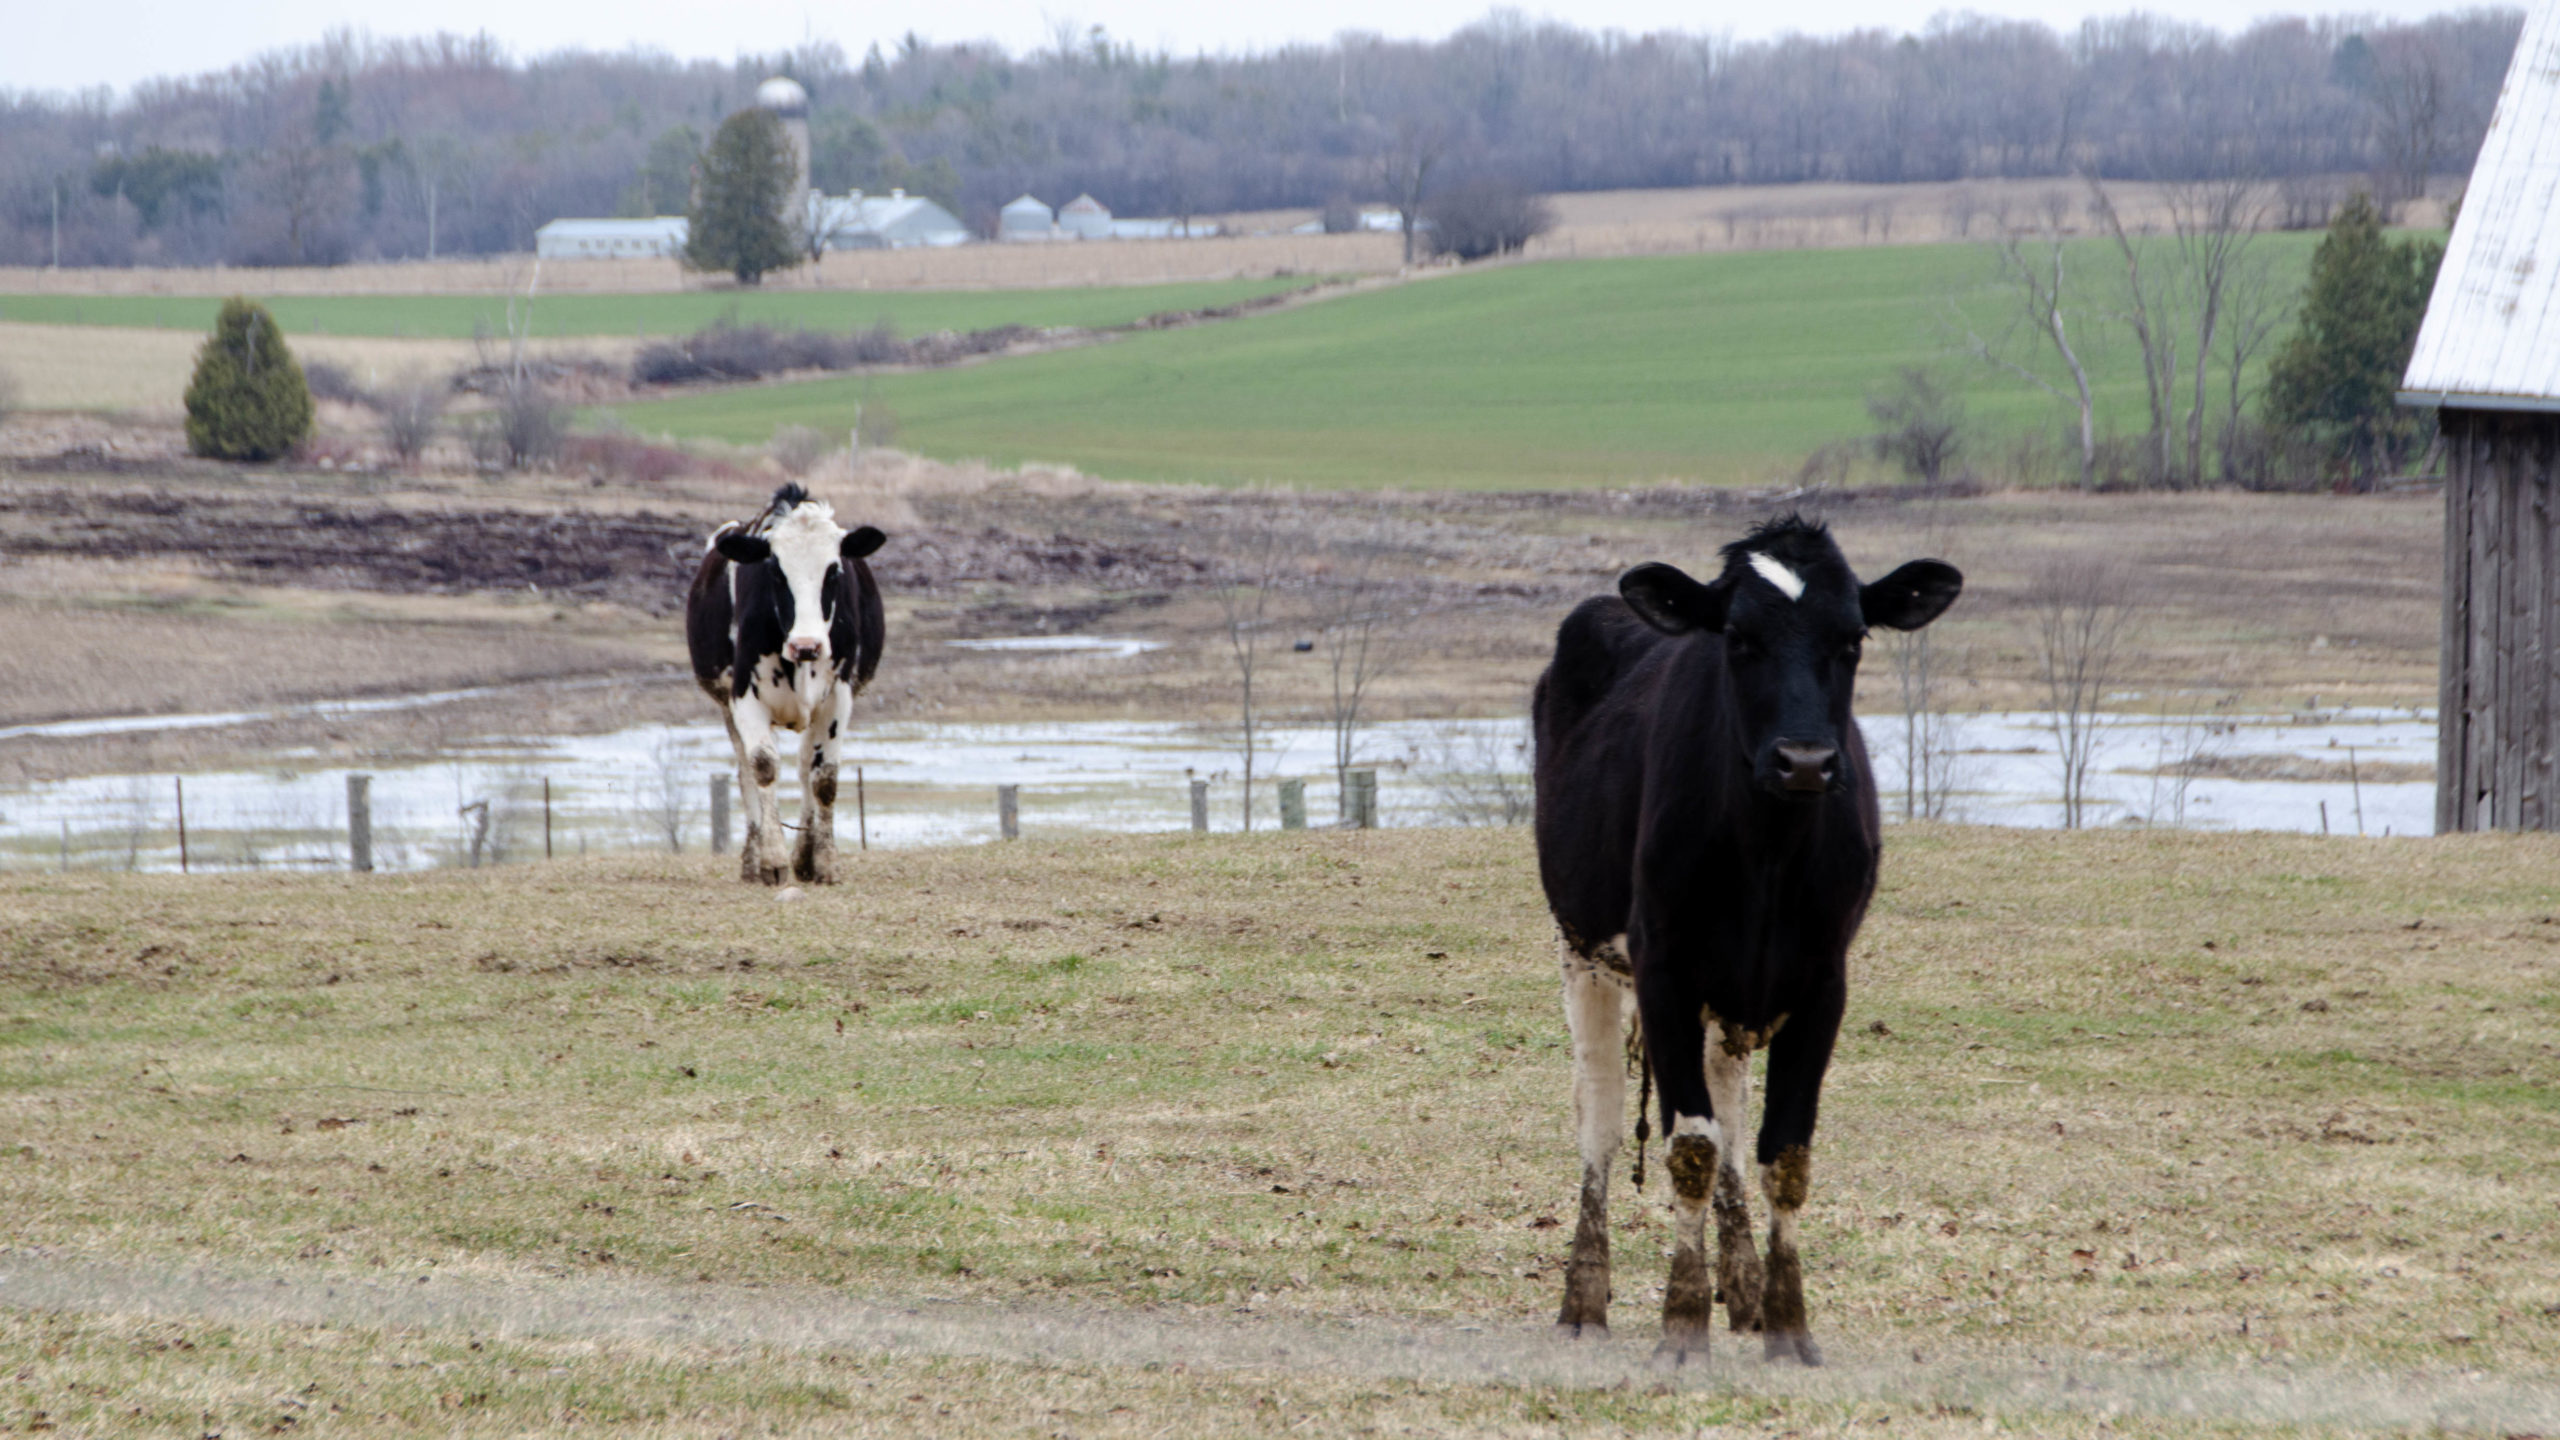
<point>785,627</point>
<point>1708,837</point>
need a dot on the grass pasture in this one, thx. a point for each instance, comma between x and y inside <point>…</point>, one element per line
<point>2268,1109</point>
<point>1718,367</point>
<point>642,316</point>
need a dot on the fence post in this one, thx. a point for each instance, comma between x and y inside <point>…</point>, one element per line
<point>1009,811</point>
<point>1293,804</point>
<point>719,814</point>
<point>182,824</point>
<point>1364,799</point>
<point>546,817</point>
<point>360,824</point>
<point>861,809</point>
<point>1200,806</point>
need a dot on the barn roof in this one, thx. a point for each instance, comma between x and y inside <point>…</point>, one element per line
<point>657,227</point>
<point>2491,339</point>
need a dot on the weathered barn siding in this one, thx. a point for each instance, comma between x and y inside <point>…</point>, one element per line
<point>2496,701</point>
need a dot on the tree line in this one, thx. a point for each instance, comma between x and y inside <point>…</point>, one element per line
<point>357,148</point>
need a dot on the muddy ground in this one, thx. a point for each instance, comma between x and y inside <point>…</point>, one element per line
<point>134,582</point>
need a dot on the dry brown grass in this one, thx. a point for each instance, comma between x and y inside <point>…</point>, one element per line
<point>966,267</point>
<point>1835,216</point>
<point>107,367</point>
<point>2260,1117</point>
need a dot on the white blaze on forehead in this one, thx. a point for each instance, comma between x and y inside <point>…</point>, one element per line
<point>1775,571</point>
<point>804,542</point>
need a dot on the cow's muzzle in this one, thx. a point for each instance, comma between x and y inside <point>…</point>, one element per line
<point>797,651</point>
<point>1807,769</point>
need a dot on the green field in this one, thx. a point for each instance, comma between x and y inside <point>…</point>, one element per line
<point>1711,367</point>
<point>460,317</point>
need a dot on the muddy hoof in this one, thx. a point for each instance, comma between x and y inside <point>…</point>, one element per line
<point>1582,1329</point>
<point>1672,1354</point>
<point>1795,1345</point>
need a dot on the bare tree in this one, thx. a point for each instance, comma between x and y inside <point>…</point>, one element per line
<point>2146,304</point>
<point>1920,423</point>
<point>2213,221</point>
<point>1406,169</point>
<point>2031,266</point>
<point>2408,95</point>
<point>2257,304</point>
<point>1357,631</point>
<point>665,793</point>
<point>410,408</point>
<point>1480,775</point>
<point>1929,733</point>
<point>2080,615</point>
<point>1244,605</point>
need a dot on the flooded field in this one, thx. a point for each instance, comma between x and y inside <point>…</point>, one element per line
<point>649,787</point>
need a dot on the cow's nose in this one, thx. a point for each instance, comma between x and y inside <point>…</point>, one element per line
<point>1808,767</point>
<point>802,649</point>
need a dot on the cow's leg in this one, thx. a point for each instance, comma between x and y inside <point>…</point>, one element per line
<point>1738,1273</point>
<point>1798,1056</point>
<point>1689,1299</point>
<point>816,860</point>
<point>1675,1038</point>
<point>1595,1010</point>
<point>763,859</point>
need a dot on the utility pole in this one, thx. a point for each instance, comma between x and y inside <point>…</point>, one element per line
<point>57,222</point>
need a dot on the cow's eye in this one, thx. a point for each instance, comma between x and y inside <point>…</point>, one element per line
<point>1849,653</point>
<point>1743,647</point>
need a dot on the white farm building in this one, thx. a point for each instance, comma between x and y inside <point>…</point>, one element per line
<point>895,221</point>
<point>657,237</point>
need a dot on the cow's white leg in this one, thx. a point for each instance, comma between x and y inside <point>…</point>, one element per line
<point>819,748</point>
<point>1785,1181</point>
<point>1738,1273</point>
<point>1596,997</point>
<point>760,765</point>
<point>1689,1300</point>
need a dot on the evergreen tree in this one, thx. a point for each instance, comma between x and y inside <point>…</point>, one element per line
<point>2335,378</point>
<point>736,222</point>
<point>248,400</point>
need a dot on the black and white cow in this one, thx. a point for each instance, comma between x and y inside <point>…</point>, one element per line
<point>785,627</point>
<point>1708,837</point>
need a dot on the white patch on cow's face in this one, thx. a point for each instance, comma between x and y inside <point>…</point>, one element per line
<point>1775,571</point>
<point>804,542</point>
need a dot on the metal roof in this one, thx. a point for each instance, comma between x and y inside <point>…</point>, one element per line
<point>655,227</point>
<point>2491,339</point>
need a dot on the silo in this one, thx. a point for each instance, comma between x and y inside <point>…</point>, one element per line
<point>1026,217</point>
<point>789,104</point>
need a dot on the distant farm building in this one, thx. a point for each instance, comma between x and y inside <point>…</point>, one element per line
<point>1026,217</point>
<point>1085,218</point>
<point>895,221</point>
<point>654,238</point>
<point>2488,358</point>
<point>1372,219</point>
<point>1029,219</point>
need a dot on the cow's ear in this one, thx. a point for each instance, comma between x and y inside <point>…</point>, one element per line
<point>1911,596</point>
<point>1664,597</point>
<point>742,548</point>
<point>861,541</point>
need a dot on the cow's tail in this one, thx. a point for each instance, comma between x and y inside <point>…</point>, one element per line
<point>1644,1093</point>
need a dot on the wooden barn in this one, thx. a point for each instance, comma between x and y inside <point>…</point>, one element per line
<point>2488,357</point>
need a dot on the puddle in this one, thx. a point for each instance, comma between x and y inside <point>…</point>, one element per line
<point>1109,647</point>
<point>924,783</point>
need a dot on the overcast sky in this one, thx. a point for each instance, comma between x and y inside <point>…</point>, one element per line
<point>61,45</point>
